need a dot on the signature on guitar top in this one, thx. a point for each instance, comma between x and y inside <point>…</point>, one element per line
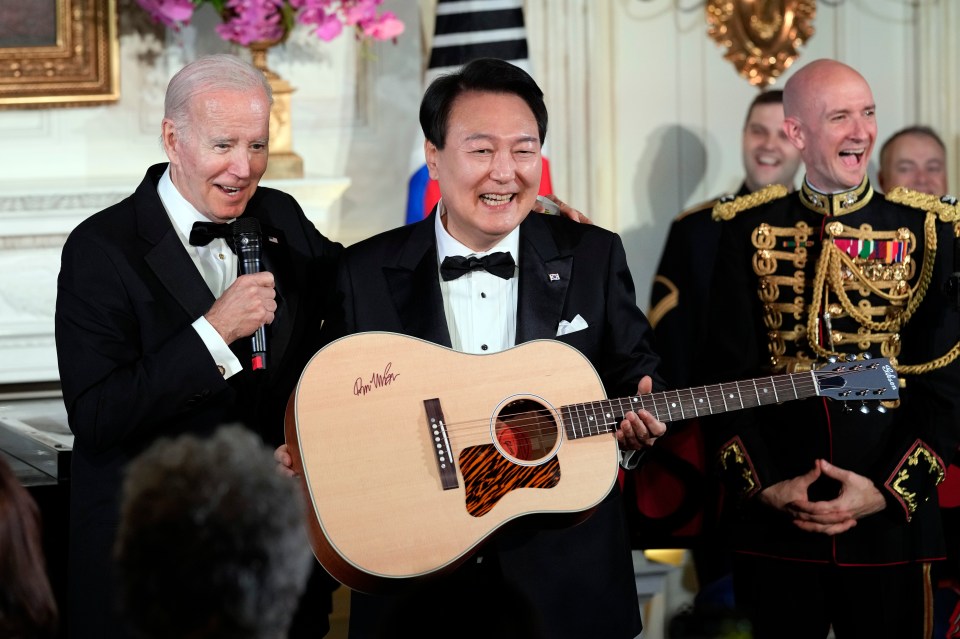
<point>412,454</point>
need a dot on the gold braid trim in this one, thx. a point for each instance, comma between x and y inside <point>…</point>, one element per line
<point>940,362</point>
<point>727,210</point>
<point>946,208</point>
<point>666,304</point>
<point>816,299</point>
<point>832,256</point>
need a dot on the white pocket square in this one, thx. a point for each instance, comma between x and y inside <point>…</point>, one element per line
<point>577,324</point>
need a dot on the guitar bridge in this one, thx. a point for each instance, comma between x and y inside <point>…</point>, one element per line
<point>441,444</point>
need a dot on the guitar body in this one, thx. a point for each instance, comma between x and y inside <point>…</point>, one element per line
<point>394,496</point>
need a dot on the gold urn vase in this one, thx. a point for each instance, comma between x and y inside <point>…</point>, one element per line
<point>283,163</point>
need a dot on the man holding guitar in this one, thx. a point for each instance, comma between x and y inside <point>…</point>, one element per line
<point>480,276</point>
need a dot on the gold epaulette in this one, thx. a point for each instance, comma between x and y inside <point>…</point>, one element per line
<point>725,210</point>
<point>703,206</point>
<point>945,207</point>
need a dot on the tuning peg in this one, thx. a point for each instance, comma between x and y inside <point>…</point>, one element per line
<point>864,408</point>
<point>865,355</point>
<point>881,408</point>
<point>850,357</point>
<point>832,359</point>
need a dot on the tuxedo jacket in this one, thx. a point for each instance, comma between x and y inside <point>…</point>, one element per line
<point>133,369</point>
<point>579,580</point>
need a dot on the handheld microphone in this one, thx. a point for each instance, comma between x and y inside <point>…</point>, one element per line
<point>247,245</point>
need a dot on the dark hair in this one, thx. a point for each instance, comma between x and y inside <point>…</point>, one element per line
<point>27,605</point>
<point>773,96</point>
<point>212,540</point>
<point>485,75</point>
<point>917,129</point>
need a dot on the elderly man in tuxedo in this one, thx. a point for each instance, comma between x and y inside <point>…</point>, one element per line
<point>154,332</point>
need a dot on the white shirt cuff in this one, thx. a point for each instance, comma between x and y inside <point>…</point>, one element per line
<point>630,459</point>
<point>218,348</point>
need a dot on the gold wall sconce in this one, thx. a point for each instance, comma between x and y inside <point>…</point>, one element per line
<point>762,37</point>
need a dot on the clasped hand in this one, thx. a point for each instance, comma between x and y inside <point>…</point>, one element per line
<point>858,498</point>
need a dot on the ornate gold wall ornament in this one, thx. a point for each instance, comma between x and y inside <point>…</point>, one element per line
<point>762,37</point>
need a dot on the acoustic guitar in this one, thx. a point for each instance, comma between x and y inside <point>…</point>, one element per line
<point>413,454</point>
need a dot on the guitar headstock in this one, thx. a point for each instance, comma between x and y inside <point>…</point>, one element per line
<point>858,378</point>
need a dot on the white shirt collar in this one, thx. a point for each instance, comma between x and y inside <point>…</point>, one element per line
<point>181,212</point>
<point>813,188</point>
<point>447,245</point>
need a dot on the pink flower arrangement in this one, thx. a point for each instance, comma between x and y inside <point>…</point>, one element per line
<point>246,21</point>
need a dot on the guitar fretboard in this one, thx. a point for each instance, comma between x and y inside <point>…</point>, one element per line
<point>604,416</point>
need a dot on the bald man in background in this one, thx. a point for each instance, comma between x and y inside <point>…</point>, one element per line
<point>833,513</point>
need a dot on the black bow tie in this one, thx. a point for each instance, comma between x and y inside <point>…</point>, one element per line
<point>500,264</point>
<point>203,233</point>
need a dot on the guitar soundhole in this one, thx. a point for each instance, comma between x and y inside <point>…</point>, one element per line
<point>526,431</point>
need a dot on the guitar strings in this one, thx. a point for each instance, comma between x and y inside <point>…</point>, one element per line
<point>667,406</point>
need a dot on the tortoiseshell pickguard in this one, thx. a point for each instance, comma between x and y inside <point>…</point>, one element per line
<point>488,476</point>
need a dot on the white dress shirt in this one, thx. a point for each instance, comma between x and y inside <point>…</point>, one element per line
<point>216,263</point>
<point>481,308</point>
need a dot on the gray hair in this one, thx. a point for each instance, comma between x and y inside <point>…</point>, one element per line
<point>211,538</point>
<point>210,73</point>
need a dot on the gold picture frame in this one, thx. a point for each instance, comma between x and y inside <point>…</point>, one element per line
<point>68,59</point>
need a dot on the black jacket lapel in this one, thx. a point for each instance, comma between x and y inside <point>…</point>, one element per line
<point>415,286</point>
<point>544,278</point>
<point>168,259</point>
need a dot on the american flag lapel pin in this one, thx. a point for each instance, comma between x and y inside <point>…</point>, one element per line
<point>271,238</point>
<point>554,277</point>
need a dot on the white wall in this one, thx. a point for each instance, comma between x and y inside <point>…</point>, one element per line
<point>645,118</point>
<point>671,108</point>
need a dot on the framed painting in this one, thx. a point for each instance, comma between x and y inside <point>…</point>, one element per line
<point>58,53</point>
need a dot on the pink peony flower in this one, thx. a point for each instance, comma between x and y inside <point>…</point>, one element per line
<point>328,28</point>
<point>247,21</point>
<point>252,21</point>
<point>359,11</point>
<point>171,13</point>
<point>386,27</point>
